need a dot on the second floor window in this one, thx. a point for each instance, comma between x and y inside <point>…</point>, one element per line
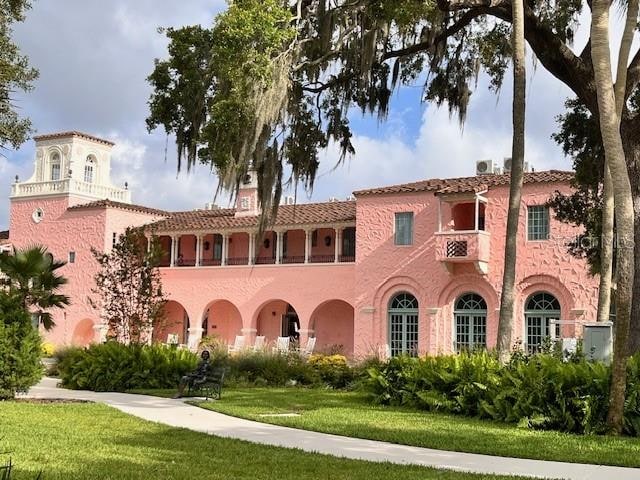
<point>404,228</point>
<point>537,222</point>
<point>55,167</point>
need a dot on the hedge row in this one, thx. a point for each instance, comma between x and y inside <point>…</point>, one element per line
<point>540,391</point>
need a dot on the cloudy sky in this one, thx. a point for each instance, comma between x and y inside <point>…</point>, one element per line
<point>94,57</point>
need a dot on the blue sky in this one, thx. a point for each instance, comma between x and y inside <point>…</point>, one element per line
<point>94,58</point>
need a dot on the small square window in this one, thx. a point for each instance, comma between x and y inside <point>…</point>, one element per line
<point>244,203</point>
<point>404,228</point>
<point>72,257</point>
<point>538,222</point>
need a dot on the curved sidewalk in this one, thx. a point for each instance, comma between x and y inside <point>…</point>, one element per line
<point>176,413</point>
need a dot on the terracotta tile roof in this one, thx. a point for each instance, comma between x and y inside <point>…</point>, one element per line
<point>288,215</point>
<point>468,184</point>
<point>118,205</point>
<point>53,136</point>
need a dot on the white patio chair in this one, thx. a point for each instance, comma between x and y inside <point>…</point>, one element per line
<point>309,347</point>
<point>259,344</point>
<point>282,345</point>
<point>238,345</point>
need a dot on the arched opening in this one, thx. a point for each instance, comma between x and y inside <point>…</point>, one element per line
<point>56,167</point>
<point>83,333</point>
<point>470,317</point>
<point>403,325</point>
<point>278,318</point>
<point>174,325</point>
<point>332,323</point>
<point>89,169</point>
<point>540,308</point>
<point>222,320</point>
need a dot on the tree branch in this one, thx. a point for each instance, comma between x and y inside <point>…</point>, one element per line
<point>463,22</point>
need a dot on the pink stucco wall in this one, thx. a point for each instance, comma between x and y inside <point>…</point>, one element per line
<point>339,304</point>
<point>259,291</point>
<point>63,231</point>
<point>384,269</point>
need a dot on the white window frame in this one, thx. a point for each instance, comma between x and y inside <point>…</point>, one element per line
<point>56,162</point>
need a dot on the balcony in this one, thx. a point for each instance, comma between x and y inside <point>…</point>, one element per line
<point>322,245</point>
<point>464,247</point>
<point>70,186</point>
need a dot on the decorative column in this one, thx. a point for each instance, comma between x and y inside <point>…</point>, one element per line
<point>252,248</point>
<point>307,245</point>
<point>225,249</point>
<point>477,218</point>
<point>198,250</point>
<point>173,250</point>
<point>148,244</point>
<point>338,244</point>
<point>195,335</point>
<point>279,249</point>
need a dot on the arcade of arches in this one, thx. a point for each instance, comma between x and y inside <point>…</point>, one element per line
<point>331,323</point>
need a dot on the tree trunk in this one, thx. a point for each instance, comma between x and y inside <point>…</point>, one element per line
<point>614,154</point>
<point>631,142</point>
<point>505,324</point>
<point>606,249</point>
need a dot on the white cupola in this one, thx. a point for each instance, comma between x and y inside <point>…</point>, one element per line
<point>72,163</point>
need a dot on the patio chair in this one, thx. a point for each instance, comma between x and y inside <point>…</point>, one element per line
<point>309,347</point>
<point>282,345</point>
<point>259,344</point>
<point>238,345</point>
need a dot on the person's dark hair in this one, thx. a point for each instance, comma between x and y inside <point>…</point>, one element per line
<point>205,354</point>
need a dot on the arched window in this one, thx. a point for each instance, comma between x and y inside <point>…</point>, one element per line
<point>539,310</point>
<point>403,325</point>
<point>55,167</point>
<point>470,315</point>
<point>88,169</point>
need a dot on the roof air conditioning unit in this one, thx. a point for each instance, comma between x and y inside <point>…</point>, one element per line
<point>484,167</point>
<point>289,200</point>
<point>334,199</point>
<point>351,198</point>
<point>508,162</point>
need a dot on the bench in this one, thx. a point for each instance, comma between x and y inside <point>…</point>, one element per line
<point>209,386</point>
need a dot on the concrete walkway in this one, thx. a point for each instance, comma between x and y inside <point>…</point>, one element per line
<point>178,414</point>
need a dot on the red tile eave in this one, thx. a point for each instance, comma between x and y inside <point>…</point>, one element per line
<point>467,184</point>
<point>323,215</point>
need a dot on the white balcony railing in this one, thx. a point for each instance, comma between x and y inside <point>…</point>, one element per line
<point>70,186</point>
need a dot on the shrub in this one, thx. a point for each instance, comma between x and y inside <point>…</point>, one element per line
<point>116,367</point>
<point>332,370</point>
<point>541,391</point>
<point>20,366</point>
<point>47,349</point>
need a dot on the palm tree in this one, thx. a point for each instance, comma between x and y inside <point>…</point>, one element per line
<point>505,323</point>
<point>31,275</point>
<point>623,200</point>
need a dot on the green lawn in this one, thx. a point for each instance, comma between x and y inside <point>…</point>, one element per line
<point>89,441</point>
<point>346,413</point>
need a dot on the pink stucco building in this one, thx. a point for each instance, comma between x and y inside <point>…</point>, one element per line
<point>411,268</point>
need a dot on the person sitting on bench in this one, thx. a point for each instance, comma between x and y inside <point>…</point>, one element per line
<point>197,376</point>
